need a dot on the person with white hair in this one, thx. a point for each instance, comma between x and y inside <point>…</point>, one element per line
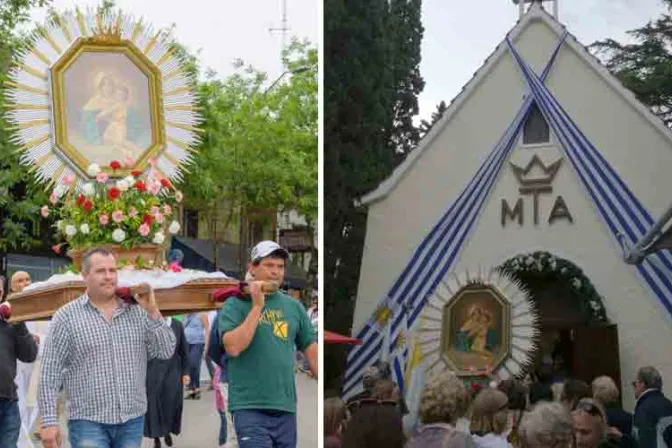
<point>652,425</point>
<point>548,425</point>
<point>443,401</point>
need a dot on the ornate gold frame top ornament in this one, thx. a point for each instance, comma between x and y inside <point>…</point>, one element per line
<point>33,109</point>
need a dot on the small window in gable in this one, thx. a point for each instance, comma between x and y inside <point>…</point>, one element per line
<point>536,129</point>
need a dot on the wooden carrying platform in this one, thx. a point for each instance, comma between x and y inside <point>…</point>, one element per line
<point>41,304</point>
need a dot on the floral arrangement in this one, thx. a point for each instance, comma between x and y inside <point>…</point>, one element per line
<point>127,212</point>
<point>544,264</point>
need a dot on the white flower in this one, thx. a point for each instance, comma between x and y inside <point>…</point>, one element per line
<point>174,227</point>
<point>118,235</point>
<point>130,180</point>
<point>88,189</point>
<point>576,283</point>
<point>595,305</point>
<point>84,229</point>
<point>70,230</point>
<point>553,265</point>
<point>563,270</point>
<point>529,261</point>
<point>159,238</point>
<point>60,190</point>
<point>59,224</point>
<point>122,185</point>
<point>93,170</point>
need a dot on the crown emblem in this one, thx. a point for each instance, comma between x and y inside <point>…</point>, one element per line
<point>107,32</point>
<point>544,180</point>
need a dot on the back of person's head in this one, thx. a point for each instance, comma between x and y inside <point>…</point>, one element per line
<point>650,378</point>
<point>444,399</point>
<point>547,425</point>
<point>605,391</point>
<point>489,412</point>
<point>334,415</point>
<point>573,390</point>
<point>374,425</point>
<point>384,369</point>
<point>385,390</point>
<point>516,392</point>
<point>370,377</point>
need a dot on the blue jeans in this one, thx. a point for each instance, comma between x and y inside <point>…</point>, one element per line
<point>223,433</point>
<point>87,434</point>
<point>195,360</point>
<point>10,423</point>
<point>265,429</point>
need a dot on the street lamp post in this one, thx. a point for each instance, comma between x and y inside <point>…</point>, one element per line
<point>242,248</point>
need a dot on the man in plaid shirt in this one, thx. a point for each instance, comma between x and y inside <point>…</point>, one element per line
<point>98,349</point>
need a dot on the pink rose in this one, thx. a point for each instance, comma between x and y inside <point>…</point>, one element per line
<point>44,211</point>
<point>129,162</point>
<point>179,196</point>
<point>143,230</point>
<point>175,267</point>
<point>154,188</point>
<point>68,180</point>
<point>102,177</point>
<point>154,210</point>
<point>132,212</point>
<point>159,218</point>
<point>53,198</point>
<point>167,210</point>
<point>117,216</point>
<point>103,219</point>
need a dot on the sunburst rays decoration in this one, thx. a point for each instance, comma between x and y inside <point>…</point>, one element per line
<point>29,100</point>
<point>523,334</point>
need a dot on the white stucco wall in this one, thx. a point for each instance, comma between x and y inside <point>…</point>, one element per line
<point>637,151</point>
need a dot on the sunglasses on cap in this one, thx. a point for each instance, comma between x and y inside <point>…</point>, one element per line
<point>588,407</point>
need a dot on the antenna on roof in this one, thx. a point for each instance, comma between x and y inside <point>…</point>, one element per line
<point>521,6</point>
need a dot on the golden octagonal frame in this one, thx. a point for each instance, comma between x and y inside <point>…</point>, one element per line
<point>447,330</point>
<point>144,64</point>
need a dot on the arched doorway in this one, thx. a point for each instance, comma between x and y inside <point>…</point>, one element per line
<point>577,339</point>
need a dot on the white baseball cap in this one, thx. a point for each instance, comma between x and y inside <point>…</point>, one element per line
<point>266,248</point>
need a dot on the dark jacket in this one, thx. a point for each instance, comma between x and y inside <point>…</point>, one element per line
<point>15,343</point>
<point>619,419</point>
<point>651,406</point>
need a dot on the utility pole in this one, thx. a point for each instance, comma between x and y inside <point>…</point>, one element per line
<point>284,28</point>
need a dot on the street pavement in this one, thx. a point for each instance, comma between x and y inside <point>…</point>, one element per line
<point>200,420</point>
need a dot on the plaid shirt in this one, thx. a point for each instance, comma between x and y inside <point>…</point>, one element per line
<point>101,364</point>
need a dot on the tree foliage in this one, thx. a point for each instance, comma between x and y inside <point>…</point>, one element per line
<point>645,66</point>
<point>426,126</point>
<point>21,226</point>
<point>371,83</point>
<point>259,147</point>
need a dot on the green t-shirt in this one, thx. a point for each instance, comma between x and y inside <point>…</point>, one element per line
<point>262,377</point>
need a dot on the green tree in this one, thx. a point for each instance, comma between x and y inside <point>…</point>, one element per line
<point>371,82</point>
<point>21,226</point>
<point>645,66</point>
<point>426,126</point>
<point>259,145</point>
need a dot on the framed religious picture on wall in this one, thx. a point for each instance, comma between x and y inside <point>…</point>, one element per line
<point>475,330</point>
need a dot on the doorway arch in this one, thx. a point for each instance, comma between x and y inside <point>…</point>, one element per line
<point>573,318</point>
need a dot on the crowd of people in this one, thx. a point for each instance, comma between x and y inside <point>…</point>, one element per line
<point>117,372</point>
<point>500,414</point>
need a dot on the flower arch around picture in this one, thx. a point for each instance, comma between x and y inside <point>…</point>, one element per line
<point>127,212</point>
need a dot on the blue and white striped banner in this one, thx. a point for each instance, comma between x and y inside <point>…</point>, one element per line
<point>433,258</point>
<point>624,215</point>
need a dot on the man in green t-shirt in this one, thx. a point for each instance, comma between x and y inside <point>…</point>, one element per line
<point>260,336</point>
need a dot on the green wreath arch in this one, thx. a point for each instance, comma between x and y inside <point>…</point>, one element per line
<point>546,265</point>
